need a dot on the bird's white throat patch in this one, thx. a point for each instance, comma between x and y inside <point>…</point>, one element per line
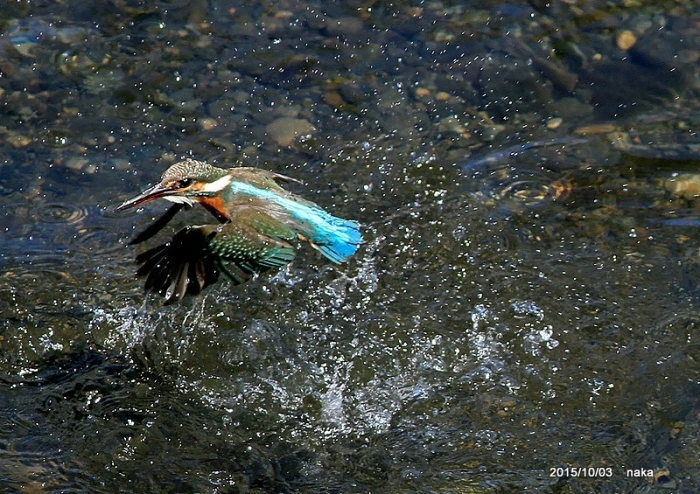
<point>180,200</point>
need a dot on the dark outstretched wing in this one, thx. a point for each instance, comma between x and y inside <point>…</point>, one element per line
<point>197,255</point>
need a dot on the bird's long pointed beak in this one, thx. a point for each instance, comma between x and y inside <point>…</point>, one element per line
<point>147,195</point>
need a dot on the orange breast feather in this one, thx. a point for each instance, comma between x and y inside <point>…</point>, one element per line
<point>214,204</point>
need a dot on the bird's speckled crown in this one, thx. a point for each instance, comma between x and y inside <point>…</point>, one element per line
<point>189,168</point>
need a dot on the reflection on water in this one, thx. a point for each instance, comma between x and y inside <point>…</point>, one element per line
<point>535,311</point>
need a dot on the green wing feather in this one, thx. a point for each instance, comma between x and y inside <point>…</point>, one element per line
<point>243,250</point>
<point>197,255</point>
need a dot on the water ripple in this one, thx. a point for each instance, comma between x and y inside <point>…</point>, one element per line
<point>59,212</point>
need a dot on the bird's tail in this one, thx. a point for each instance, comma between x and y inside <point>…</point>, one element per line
<point>337,238</point>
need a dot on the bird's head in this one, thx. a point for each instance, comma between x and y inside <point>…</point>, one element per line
<point>185,182</point>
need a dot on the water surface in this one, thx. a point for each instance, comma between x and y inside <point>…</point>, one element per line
<point>526,177</point>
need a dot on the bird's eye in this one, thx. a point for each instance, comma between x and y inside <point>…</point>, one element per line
<point>185,182</point>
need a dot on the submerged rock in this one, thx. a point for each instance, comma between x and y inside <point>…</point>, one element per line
<point>285,130</point>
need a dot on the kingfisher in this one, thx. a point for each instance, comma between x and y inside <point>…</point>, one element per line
<point>258,221</point>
